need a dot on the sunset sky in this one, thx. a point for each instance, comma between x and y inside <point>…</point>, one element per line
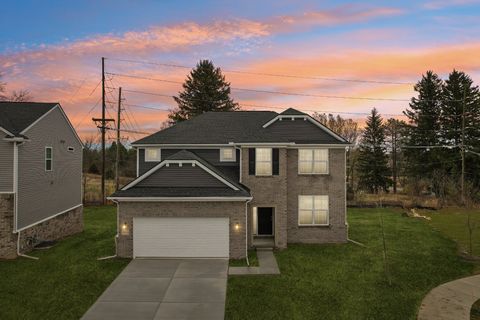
<point>307,49</point>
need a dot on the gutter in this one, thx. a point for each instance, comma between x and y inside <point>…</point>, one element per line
<point>246,231</point>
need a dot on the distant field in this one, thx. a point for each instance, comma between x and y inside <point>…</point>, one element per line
<point>93,190</point>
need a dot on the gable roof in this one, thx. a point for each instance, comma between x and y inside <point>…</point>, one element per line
<point>231,188</point>
<point>241,127</point>
<point>17,116</point>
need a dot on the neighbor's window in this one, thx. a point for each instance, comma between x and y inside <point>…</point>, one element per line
<point>312,210</point>
<point>263,161</point>
<point>227,154</point>
<point>312,161</point>
<point>152,154</point>
<point>48,159</point>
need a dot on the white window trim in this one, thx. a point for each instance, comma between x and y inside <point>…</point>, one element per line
<point>51,158</point>
<point>271,163</point>
<point>313,161</point>
<point>234,152</point>
<point>154,160</point>
<point>313,210</point>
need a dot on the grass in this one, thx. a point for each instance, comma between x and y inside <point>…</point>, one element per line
<point>67,279</point>
<point>453,223</point>
<point>252,258</point>
<point>92,187</point>
<point>347,281</point>
<point>475,312</point>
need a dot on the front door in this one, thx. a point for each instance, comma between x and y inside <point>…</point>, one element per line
<point>265,221</point>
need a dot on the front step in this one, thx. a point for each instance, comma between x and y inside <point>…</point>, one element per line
<point>264,249</point>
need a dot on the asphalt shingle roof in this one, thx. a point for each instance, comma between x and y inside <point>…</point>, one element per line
<point>16,116</point>
<point>239,127</point>
<point>187,192</point>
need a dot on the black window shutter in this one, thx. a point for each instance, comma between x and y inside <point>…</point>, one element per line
<point>275,162</point>
<point>251,161</point>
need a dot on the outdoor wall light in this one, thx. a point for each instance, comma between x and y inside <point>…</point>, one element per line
<point>237,226</point>
<point>124,229</point>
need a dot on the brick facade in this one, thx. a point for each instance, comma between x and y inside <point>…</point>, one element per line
<point>56,228</point>
<point>281,192</point>
<point>233,210</point>
<point>332,184</point>
<point>268,192</point>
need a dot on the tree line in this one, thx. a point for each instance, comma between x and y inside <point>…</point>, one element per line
<point>420,155</point>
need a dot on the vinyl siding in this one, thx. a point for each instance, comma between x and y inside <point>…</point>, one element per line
<point>184,176</point>
<point>43,194</point>
<point>6,166</point>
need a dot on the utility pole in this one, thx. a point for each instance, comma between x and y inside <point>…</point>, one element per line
<point>394,155</point>
<point>117,159</point>
<point>462,148</point>
<point>103,128</point>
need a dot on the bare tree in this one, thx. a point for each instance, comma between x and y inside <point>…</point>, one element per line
<point>349,129</point>
<point>16,96</point>
<point>20,96</point>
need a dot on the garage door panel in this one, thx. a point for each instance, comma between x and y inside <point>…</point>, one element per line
<point>181,237</point>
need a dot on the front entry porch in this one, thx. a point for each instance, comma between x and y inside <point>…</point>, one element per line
<point>263,227</point>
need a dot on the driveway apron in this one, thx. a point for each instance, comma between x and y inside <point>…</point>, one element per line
<point>165,289</point>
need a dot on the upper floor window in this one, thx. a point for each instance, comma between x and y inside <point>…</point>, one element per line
<point>263,161</point>
<point>313,210</point>
<point>152,154</point>
<point>227,154</point>
<point>312,161</point>
<point>48,159</point>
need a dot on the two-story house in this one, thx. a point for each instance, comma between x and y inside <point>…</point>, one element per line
<point>223,182</point>
<point>40,176</point>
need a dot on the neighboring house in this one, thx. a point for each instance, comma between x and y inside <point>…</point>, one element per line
<point>40,176</point>
<point>222,182</point>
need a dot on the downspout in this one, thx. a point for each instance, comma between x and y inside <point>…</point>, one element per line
<point>15,188</point>
<point>115,238</point>
<point>246,231</point>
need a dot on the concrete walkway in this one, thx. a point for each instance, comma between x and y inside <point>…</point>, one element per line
<point>165,289</point>
<point>267,265</point>
<point>451,300</point>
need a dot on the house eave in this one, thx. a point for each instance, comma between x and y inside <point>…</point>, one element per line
<point>178,199</point>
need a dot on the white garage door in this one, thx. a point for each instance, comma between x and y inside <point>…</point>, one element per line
<point>181,237</point>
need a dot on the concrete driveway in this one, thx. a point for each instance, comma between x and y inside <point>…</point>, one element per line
<point>165,289</point>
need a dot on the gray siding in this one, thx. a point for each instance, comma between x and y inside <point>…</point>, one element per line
<point>184,176</point>
<point>42,194</point>
<point>6,165</point>
<point>210,155</point>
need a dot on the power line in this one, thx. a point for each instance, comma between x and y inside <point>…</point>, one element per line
<point>282,92</point>
<point>270,74</point>
<point>274,107</point>
<point>270,91</point>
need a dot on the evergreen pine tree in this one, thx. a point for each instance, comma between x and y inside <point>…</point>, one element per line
<point>205,89</point>
<point>374,174</point>
<point>424,128</point>
<point>461,99</point>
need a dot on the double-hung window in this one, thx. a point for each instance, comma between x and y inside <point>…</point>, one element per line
<point>263,161</point>
<point>313,161</point>
<point>312,210</point>
<point>152,154</point>
<point>48,158</point>
<point>227,154</point>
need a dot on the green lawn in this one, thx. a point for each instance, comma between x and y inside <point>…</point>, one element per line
<point>475,312</point>
<point>453,223</point>
<point>67,279</point>
<point>347,281</point>
<point>317,281</point>
<point>252,259</point>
